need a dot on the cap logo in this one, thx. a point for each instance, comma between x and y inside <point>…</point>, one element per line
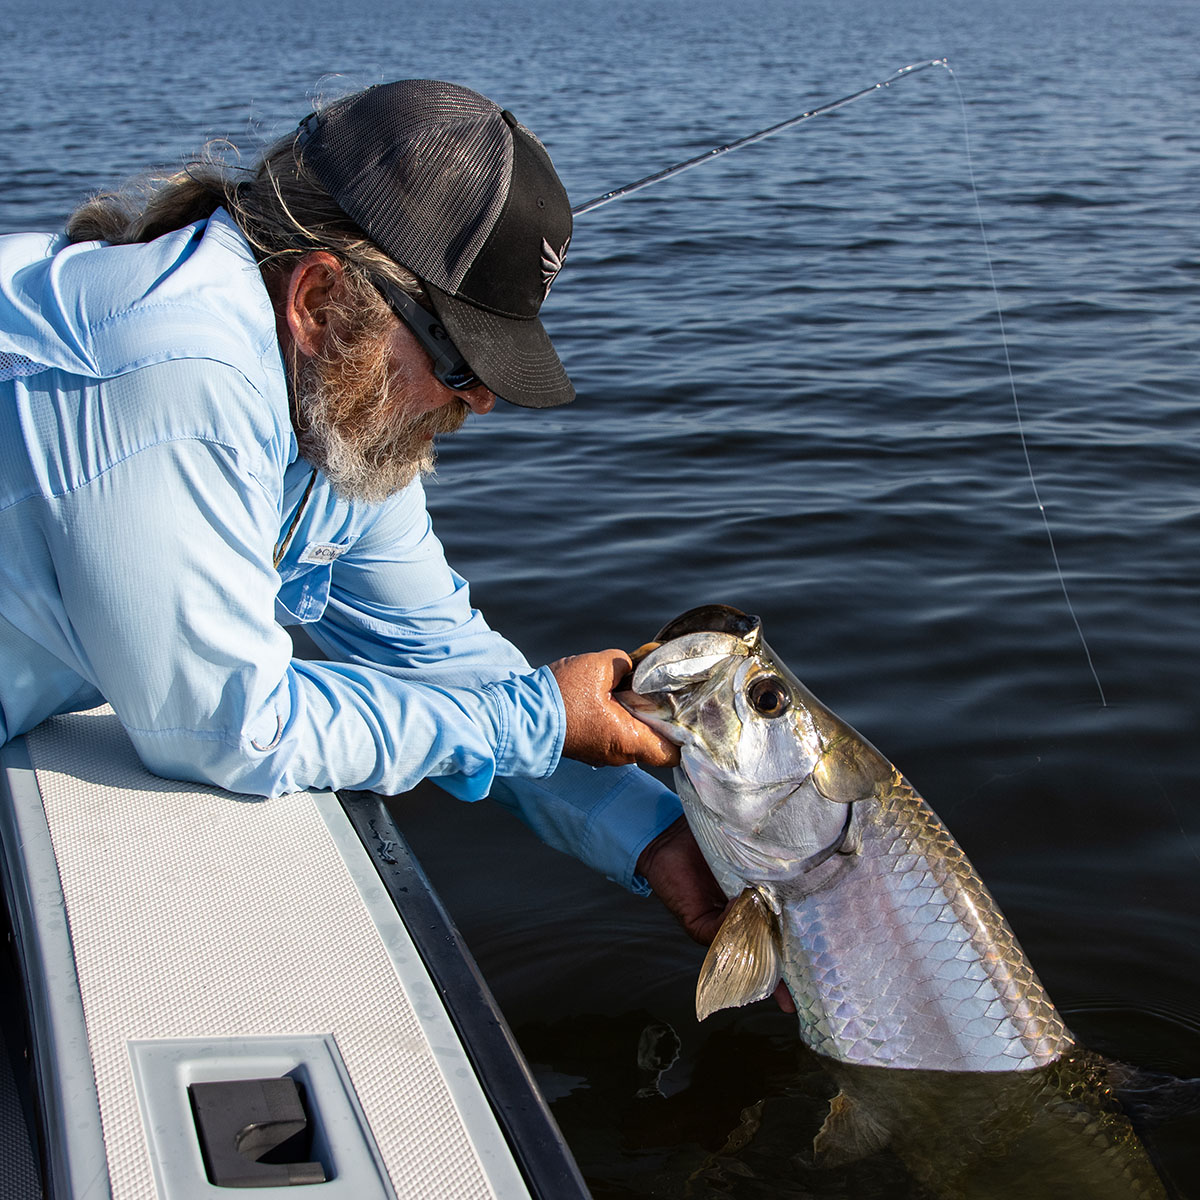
<point>552,263</point>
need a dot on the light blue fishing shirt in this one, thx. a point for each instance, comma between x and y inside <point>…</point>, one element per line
<point>148,471</point>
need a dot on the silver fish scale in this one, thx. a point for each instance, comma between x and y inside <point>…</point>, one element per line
<point>904,960</point>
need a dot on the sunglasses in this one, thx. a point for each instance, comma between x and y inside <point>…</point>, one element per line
<point>449,366</point>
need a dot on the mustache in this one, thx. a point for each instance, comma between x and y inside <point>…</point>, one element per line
<point>449,419</point>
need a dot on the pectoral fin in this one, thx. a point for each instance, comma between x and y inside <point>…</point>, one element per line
<point>849,1133</point>
<point>743,963</point>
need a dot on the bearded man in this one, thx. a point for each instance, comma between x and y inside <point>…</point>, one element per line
<point>217,396</point>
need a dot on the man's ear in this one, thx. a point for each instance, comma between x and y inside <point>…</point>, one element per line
<point>313,283</point>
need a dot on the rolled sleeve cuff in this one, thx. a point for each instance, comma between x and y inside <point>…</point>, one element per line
<point>530,724</point>
<point>620,828</point>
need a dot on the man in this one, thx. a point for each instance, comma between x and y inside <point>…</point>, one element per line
<point>216,400</point>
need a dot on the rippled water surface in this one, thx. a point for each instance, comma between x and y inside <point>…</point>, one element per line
<point>794,398</point>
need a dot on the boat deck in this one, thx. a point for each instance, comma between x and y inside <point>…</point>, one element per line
<point>171,934</point>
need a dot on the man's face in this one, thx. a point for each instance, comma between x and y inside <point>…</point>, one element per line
<point>367,410</point>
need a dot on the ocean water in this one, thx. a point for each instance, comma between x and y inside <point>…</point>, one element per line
<point>795,398</point>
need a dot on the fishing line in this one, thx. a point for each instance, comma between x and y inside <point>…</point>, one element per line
<point>749,139</point>
<point>1012,384</point>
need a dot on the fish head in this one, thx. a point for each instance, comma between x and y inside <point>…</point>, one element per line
<point>767,773</point>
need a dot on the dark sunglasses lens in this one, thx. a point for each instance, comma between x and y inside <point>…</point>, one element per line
<point>461,378</point>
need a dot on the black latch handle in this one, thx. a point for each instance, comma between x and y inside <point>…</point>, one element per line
<point>255,1133</point>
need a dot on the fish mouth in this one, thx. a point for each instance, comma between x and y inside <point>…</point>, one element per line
<point>673,673</point>
<point>645,708</point>
<point>656,711</point>
<point>672,684</point>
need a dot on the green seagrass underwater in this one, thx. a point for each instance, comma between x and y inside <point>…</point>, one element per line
<point>908,981</point>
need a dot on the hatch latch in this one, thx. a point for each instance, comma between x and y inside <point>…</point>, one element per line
<point>255,1133</point>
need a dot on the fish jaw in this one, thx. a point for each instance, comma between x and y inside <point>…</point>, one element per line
<point>658,712</point>
<point>679,690</point>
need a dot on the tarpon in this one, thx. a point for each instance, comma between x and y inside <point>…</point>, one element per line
<point>846,885</point>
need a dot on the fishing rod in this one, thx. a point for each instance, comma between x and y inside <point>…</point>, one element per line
<point>903,73</point>
<point>717,151</point>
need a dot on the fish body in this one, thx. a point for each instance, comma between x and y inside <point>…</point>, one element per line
<point>848,885</point>
<point>907,979</point>
<point>903,958</point>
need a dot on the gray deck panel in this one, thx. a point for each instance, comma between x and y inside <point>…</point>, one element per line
<point>194,913</point>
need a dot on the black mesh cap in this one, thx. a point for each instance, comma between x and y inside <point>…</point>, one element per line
<point>455,189</point>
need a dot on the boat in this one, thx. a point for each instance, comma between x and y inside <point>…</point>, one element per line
<point>209,991</point>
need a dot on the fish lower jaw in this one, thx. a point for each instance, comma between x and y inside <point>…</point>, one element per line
<point>650,712</point>
<point>768,869</point>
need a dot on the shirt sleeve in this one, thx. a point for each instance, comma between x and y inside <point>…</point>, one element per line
<point>164,567</point>
<point>394,602</point>
<point>604,816</point>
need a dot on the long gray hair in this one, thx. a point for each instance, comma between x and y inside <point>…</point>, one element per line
<point>281,209</point>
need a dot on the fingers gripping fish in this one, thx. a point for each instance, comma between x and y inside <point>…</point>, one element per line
<point>846,884</point>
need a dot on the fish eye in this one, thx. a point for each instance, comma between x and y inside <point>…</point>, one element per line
<point>769,697</point>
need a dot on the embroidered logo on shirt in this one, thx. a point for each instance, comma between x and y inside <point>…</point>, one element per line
<point>322,552</point>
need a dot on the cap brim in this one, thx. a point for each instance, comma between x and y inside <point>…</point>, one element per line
<point>513,357</point>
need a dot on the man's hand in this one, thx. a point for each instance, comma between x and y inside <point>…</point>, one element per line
<point>678,875</point>
<point>599,730</point>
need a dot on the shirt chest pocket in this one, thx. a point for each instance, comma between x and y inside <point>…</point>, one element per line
<point>304,587</point>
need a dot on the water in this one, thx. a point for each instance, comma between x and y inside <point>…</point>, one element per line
<point>793,399</point>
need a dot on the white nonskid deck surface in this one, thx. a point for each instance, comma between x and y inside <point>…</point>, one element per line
<point>195,913</point>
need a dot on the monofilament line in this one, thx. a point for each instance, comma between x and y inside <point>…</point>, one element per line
<point>1012,383</point>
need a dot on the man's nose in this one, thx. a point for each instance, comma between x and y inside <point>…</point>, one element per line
<point>480,400</point>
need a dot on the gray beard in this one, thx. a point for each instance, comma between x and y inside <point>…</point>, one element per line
<point>382,455</point>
